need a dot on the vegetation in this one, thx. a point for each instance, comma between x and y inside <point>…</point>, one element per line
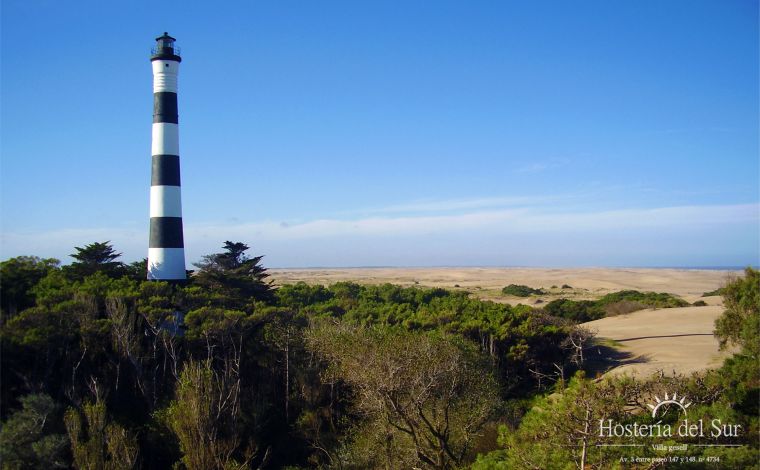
<point>107,370</point>
<point>423,397</point>
<point>32,437</point>
<point>740,322</point>
<point>718,291</point>
<point>96,443</point>
<point>616,303</point>
<point>102,369</point>
<point>19,275</point>
<point>95,257</point>
<point>561,428</point>
<point>648,299</point>
<point>519,290</point>
<point>578,311</point>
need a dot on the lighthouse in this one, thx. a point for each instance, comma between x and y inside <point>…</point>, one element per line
<point>166,248</point>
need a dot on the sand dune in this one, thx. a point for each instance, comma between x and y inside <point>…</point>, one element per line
<point>677,339</point>
<point>487,282</point>
<point>670,339</point>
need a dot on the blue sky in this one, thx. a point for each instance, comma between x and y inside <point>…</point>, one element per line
<point>551,133</point>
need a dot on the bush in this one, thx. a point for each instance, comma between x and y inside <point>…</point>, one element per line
<point>740,322</point>
<point>648,299</point>
<point>521,290</point>
<point>577,311</point>
<point>616,303</point>
<point>623,307</point>
<point>718,291</point>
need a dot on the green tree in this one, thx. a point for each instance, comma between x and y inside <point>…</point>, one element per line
<point>232,272</point>
<point>562,430</point>
<point>28,438</point>
<point>98,444</point>
<point>92,258</point>
<point>283,332</point>
<point>740,322</point>
<point>739,325</point>
<point>137,270</point>
<point>203,417</point>
<point>17,278</point>
<point>424,397</point>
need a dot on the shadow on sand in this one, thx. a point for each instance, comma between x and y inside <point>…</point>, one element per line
<point>601,358</point>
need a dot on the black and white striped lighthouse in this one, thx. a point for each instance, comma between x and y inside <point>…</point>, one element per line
<point>166,249</point>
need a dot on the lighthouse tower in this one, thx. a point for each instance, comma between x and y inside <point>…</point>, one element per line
<point>166,249</point>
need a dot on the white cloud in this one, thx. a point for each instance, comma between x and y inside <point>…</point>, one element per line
<point>520,220</point>
<point>323,240</point>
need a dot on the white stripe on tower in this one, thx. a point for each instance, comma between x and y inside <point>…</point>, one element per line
<point>166,250</point>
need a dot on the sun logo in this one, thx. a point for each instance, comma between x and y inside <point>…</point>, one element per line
<point>669,401</point>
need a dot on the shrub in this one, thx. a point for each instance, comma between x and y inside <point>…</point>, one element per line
<point>521,290</point>
<point>623,307</point>
<point>616,303</point>
<point>718,291</point>
<point>649,299</point>
<point>577,311</point>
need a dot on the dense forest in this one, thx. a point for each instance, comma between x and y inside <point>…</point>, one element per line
<point>102,369</point>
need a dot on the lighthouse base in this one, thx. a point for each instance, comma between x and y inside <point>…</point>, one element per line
<point>166,264</point>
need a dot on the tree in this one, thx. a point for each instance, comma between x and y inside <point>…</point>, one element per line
<point>203,417</point>
<point>740,322</point>
<point>578,339</point>
<point>97,444</point>
<point>92,258</point>
<point>137,270</point>
<point>424,396</point>
<point>283,330</point>
<point>18,276</point>
<point>740,325</point>
<point>232,272</point>
<point>562,430</point>
<point>28,440</point>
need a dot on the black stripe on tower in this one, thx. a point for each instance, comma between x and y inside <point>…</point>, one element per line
<point>165,171</point>
<point>166,232</point>
<point>165,107</point>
